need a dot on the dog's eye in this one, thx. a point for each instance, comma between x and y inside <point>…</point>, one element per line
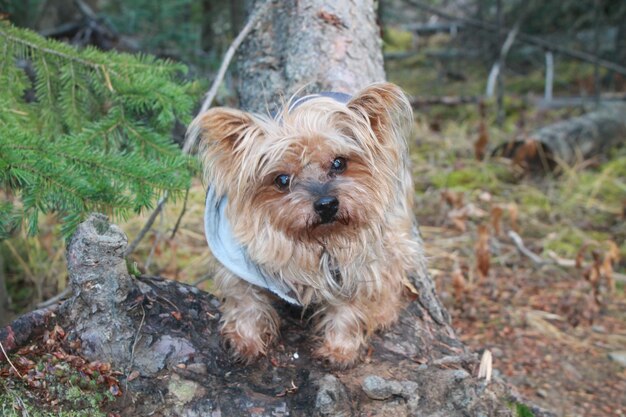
<point>338,165</point>
<point>282,181</point>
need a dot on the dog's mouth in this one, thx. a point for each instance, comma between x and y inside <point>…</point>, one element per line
<point>330,222</point>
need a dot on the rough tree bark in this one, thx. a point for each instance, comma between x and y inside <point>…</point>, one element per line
<point>164,335</point>
<point>315,45</point>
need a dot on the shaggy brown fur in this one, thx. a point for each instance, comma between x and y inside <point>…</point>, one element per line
<point>350,262</point>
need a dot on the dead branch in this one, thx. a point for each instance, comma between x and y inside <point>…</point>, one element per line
<point>519,244</point>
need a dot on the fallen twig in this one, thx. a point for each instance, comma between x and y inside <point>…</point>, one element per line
<point>132,352</point>
<point>519,244</point>
<point>157,240</point>
<point>60,296</point>
<point>146,228</point>
<point>180,216</point>
<point>6,356</point>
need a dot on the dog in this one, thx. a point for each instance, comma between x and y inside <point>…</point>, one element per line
<point>313,205</point>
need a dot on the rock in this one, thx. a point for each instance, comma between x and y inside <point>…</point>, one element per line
<point>378,388</point>
<point>167,350</point>
<point>332,399</point>
<point>618,356</point>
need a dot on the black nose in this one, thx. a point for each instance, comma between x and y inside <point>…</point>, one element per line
<point>326,207</point>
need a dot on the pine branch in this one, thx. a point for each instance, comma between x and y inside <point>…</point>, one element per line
<point>95,133</point>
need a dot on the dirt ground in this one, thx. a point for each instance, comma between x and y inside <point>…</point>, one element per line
<point>548,335</point>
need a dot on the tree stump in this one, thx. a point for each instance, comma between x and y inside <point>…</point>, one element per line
<point>164,336</point>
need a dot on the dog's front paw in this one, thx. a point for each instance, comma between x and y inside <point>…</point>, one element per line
<point>339,352</point>
<point>245,348</point>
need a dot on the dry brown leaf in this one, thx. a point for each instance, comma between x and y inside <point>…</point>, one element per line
<point>486,366</point>
<point>580,256</point>
<point>459,220</point>
<point>496,215</point>
<point>513,215</point>
<point>613,251</point>
<point>414,294</point>
<point>607,273</point>
<point>480,145</point>
<point>453,199</point>
<point>459,284</point>
<point>482,252</point>
<point>611,257</point>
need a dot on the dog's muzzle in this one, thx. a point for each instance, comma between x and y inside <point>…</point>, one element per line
<point>326,207</point>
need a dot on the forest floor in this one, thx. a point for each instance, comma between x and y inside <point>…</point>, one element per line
<point>552,323</point>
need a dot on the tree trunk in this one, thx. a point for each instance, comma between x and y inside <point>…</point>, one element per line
<point>164,335</point>
<point>314,45</point>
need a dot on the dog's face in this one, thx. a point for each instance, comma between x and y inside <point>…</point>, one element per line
<point>318,173</point>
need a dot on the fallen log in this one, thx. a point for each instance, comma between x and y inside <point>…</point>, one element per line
<point>450,101</point>
<point>569,141</point>
<point>562,102</point>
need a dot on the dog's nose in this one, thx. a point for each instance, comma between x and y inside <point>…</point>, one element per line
<point>326,207</point>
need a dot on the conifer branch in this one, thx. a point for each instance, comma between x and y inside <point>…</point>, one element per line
<point>210,96</point>
<point>94,134</point>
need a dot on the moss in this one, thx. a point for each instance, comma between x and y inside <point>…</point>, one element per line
<point>475,175</point>
<point>18,403</point>
<point>568,241</point>
<point>65,393</point>
<point>522,410</point>
<point>534,200</point>
<point>397,40</point>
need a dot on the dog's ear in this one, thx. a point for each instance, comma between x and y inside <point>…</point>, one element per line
<point>226,135</point>
<point>386,109</point>
<point>226,128</point>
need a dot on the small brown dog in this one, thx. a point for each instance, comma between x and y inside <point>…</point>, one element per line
<point>313,205</point>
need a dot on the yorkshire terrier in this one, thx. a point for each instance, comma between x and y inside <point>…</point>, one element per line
<point>313,205</point>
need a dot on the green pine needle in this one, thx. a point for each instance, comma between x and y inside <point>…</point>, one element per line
<point>86,130</point>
